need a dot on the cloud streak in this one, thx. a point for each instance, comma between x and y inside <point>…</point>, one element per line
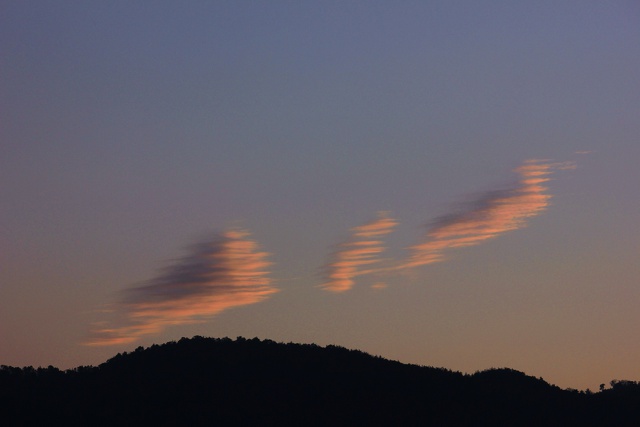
<point>358,255</point>
<point>488,216</point>
<point>220,273</point>
<point>228,270</point>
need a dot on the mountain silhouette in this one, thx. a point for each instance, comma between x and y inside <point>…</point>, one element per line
<point>252,382</point>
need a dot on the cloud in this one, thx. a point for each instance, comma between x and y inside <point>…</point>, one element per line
<point>488,216</point>
<point>229,270</point>
<point>223,272</point>
<point>356,256</point>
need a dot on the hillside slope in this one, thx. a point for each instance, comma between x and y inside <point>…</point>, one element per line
<point>206,381</point>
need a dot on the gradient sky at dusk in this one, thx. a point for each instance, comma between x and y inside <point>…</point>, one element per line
<point>447,183</point>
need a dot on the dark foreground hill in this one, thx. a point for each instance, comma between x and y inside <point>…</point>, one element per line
<point>206,381</point>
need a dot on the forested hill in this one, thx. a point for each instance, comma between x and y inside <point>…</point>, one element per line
<point>206,381</point>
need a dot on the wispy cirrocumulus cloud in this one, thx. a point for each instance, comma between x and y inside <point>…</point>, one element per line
<point>488,216</point>
<point>357,256</point>
<point>229,270</point>
<point>225,271</point>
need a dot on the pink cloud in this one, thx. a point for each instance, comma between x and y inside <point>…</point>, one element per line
<point>356,256</point>
<point>488,216</point>
<point>218,274</point>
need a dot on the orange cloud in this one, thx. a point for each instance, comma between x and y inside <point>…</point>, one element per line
<point>362,249</point>
<point>224,272</point>
<point>379,286</point>
<point>488,216</point>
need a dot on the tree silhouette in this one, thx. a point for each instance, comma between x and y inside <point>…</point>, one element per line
<point>207,381</point>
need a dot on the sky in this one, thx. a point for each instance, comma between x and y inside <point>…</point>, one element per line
<point>445,183</point>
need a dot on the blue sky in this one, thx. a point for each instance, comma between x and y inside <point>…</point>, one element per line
<point>130,131</point>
